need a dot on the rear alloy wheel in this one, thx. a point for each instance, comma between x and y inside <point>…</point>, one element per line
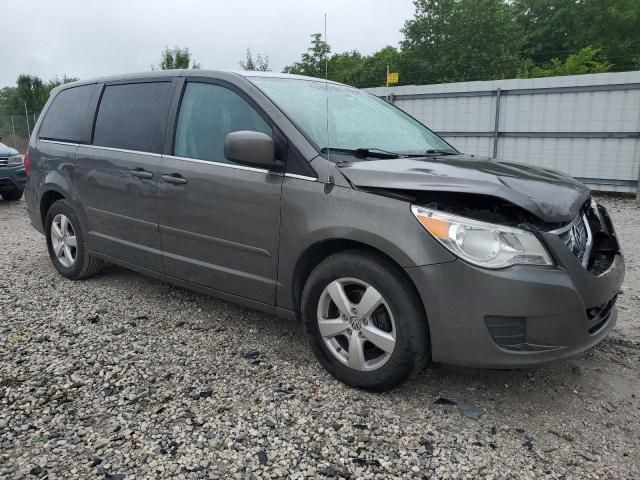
<point>66,243</point>
<point>364,320</point>
<point>63,240</point>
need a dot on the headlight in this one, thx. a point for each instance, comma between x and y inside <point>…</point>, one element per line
<point>15,160</point>
<point>484,244</point>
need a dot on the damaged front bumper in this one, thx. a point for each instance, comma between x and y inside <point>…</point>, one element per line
<point>522,315</point>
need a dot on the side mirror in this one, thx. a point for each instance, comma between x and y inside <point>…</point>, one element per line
<point>250,148</point>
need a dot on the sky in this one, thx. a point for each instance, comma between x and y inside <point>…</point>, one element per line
<point>90,38</point>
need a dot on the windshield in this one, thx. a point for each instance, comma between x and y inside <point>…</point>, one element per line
<point>357,120</point>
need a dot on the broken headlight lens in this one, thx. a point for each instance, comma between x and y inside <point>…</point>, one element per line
<point>484,244</point>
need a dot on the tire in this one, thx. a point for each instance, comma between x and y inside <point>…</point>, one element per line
<point>83,265</point>
<point>13,195</point>
<point>400,316</point>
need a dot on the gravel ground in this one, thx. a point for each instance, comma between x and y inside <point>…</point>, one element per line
<point>121,376</point>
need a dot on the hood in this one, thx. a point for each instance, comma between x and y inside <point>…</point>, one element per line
<point>549,195</point>
<point>7,151</point>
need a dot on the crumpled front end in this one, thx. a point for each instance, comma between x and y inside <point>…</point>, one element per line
<point>525,315</point>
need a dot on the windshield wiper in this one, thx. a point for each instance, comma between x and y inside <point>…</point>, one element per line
<point>435,151</point>
<point>362,152</point>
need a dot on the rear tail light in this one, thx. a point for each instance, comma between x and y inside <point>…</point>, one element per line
<point>27,163</point>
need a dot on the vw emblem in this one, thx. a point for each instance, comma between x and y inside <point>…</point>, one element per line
<point>355,323</point>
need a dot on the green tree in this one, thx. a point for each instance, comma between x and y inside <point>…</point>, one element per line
<point>559,28</point>
<point>30,91</point>
<point>344,67</point>
<point>585,61</point>
<point>312,62</point>
<point>259,64</point>
<point>551,28</point>
<point>373,71</point>
<point>612,26</point>
<point>350,67</point>
<point>363,71</point>
<point>461,40</point>
<point>176,58</point>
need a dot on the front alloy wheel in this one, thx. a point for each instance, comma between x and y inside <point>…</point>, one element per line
<point>364,320</point>
<point>356,324</point>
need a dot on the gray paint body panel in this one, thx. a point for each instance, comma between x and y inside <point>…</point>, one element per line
<point>122,209</point>
<point>550,195</point>
<point>458,297</point>
<point>310,217</point>
<point>220,229</point>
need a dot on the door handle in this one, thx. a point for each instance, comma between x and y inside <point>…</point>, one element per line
<point>174,178</point>
<point>140,173</point>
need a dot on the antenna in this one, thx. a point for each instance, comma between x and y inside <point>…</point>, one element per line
<point>326,84</point>
<point>328,186</point>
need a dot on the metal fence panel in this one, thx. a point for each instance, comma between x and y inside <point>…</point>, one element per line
<point>451,114</point>
<point>477,145</point>
<point>585,125</point>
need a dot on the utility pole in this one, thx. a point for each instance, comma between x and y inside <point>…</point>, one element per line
<point>13,127</point>
<point>26,117</point>
<point>387,82</point>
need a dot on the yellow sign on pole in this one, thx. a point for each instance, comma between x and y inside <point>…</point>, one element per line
<point>393,77</point>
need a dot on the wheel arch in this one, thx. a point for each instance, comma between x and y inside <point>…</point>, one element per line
<point>317,252</point>
<point>47,199</point>
<point>56,186</point>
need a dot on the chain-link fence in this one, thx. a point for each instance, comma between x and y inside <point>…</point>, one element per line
<point>15,130</point>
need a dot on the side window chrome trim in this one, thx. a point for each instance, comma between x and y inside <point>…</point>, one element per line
<point>122,150</point>
<point>240,167</point>
<point>219,164</point>
<point>58,142</point>
<point>301,177</point>
<point>186,159</point>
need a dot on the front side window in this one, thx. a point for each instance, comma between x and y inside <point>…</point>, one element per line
<point>66,118</point>
<point>356,119</point>
<point>133,116</point>
<point>207,114</point>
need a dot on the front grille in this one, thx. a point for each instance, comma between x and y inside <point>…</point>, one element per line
<point>577,237</point>
<point>591,238</point>
<point>597,317</point>
<point>4,161</point>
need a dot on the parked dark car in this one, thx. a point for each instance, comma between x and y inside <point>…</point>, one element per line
<point>12,173</point>
<point>311,199</point>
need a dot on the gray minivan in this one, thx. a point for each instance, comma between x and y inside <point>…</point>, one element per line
<point>314,200</point>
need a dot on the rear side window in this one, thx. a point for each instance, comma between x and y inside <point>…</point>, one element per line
<point>66,118</point>
<point>207,114</point>
<point>133,116</point>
